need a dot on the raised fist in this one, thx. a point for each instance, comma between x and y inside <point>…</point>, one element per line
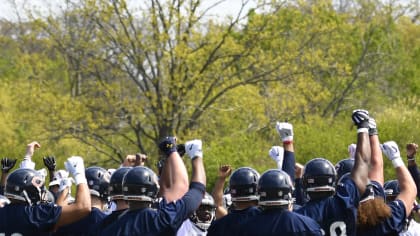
<point>50,163</point>
<point>194,148</point>
<point>411,150</point>
<point>285,131</point>
<point>360,118</point>
<point>373,130</point>
<point>7,164</point>
<point>168,145</point>
<point>225,171</point>
<point>75,166</point>
<point>391,151</point>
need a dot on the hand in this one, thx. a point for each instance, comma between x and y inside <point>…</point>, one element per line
<point>75,166</point>
<point>276,153</point>
<point>194,148</point>
<point>352,150</point>
<point>140,159</point>
<point>181,149</point>
<point>225,171</point>
<point>65,183</point>
<point>50,163</point>
<point>411,150</point>
<point>7,164</point>
<point>391,151</point>
<point>298,170</point>
<point>360,118</point>
<point>285,131</point>
<point>30,149</point>
<point>373,130</point>
<point>168,145</point>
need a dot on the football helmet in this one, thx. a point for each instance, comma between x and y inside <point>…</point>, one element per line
<point>392,189</point>
<point>243,184</point>
<point>26,185</point>
<point>98,181</point>
<point>319,175</point>
<point>344,166</point>
<point>205,214</point>
<point>140,184</point>
<point>115,185</point>
<point>275,188</point>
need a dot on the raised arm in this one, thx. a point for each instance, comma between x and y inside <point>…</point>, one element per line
<point>174,177</point>
<point>285,131</point>
<point>217,193</point>
<point>50,163</point>
<point>362,156</point>
<point>376,171</point>
<point>412,165</point>
<point>408,189</point>
<point>82,206</point>
<point>27,160</point>
<point>6,165</point>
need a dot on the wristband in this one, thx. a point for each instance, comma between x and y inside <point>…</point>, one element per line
<point>288,142</point>
<point>411,158</point>
<point>80,179</point>
<point>397,162</point>
<point>362,130</point>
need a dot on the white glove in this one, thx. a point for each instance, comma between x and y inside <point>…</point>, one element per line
<point>391,151</point>
<point>194,148</point>
<point>277,154</point>
<point>75,166</point>
<point>285,131</point>
<point>65,183</point>
<point>352,150</point>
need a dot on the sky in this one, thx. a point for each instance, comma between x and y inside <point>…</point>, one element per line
<point>226,7</point>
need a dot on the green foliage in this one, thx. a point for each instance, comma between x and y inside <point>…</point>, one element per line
<point>103,81</point>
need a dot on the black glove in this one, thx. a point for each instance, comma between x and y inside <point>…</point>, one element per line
<point>181,149</point>
<point>50,163</point>
<point>7,164</point>
<point>168,145</point>
<point>360,118</point>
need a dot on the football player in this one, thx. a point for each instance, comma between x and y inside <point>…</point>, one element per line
<point>335,207</point>
<point>243,190</point>
<point>26,215</point>
<point>98,182</point>
<point>199,222</point>
<point>116,195</point>
<point>277,218</point>
<point>140,188</point>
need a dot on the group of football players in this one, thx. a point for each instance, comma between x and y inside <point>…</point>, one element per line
<point>317,198</point>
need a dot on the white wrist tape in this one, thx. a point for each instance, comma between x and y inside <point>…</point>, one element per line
<point>363,130</point>
<point>80,179</point>
<point>397,162</point>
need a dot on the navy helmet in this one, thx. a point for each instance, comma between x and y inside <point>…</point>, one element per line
<point>275,188</point>
<point>344,166</point>
<point>140,184</point>
<point>319,175</point>
<point>392,189</point>
<point>205,214</point>
<point>243,184</point>
<point>98,181</point>
<point>115,184</point>
<point>25,185</point>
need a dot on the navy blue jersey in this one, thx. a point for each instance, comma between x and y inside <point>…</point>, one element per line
<point>228,225</point>
<point>28,220</point>
<point>109,219</point>
<point>279,222</point>
<point>165,220</point>
<point>84,225</point>
<point>337,214</point>
<point>391,226</point>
